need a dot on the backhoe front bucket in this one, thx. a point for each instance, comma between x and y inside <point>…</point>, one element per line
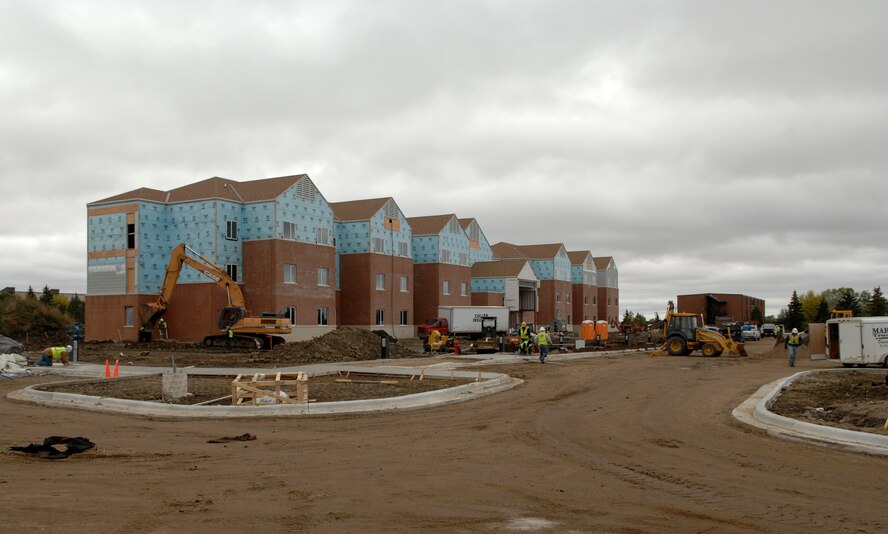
<point>738,349</point>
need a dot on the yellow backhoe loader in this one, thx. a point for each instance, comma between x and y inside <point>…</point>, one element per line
<point>682,335</point>
<point>248,332</point>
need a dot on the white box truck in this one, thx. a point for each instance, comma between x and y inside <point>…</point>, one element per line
<point>858,341</point>
<point>481,324</point>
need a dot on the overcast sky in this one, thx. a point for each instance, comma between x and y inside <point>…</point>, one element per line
<point>732,147</point>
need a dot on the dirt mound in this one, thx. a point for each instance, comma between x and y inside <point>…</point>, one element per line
<point>342,344</point>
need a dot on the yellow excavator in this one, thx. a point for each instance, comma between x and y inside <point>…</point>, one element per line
<point>682,335</point>
<point>248,332</point>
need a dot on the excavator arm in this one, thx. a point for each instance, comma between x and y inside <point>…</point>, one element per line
<point>151,312</point>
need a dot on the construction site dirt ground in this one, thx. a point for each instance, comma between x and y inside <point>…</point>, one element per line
<point>625,443</point>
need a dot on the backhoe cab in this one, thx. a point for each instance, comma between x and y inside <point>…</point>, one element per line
<point>682,335</point>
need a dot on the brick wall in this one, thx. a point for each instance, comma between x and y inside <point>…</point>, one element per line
<point>264,287</point>
<point>584,305</point>
<point>358,297</point>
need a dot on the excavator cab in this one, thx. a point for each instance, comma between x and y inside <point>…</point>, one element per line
<point>230,316</point>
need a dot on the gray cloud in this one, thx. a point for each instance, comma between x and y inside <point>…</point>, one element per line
<point>729,146</point>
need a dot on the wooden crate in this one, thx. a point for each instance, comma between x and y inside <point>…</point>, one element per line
<point>249,388</point>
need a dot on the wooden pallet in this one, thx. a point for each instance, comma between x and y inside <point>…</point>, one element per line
<point>249,388</point>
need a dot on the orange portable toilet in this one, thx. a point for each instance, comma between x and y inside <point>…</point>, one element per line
<point>601,329</point>
<point>587,330</point>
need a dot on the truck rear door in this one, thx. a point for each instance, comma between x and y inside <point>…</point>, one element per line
<point>850,342</point>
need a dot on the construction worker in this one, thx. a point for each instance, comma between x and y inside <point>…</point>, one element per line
<point>542,341</point>
<point>162,328</point>
<point>523,338</point>
<point>230,335</point>
<point>434,341</point>
<point>792,343</point>
<point>55,354</point>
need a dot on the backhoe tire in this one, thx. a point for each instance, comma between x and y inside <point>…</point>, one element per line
<point>676,346</point>
<point>709,350</point>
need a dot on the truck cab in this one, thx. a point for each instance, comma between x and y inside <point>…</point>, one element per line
<point>425,329</point>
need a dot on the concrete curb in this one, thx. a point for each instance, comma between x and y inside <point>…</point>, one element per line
<point>488,384</point>
<point>755,411</point>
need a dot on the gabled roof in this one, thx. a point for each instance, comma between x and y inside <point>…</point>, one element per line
<point>602,262</point>
<point>143,193</point>
<point>214,188</point>
<point>358,210</point>
<point>508,251</point>
<point>498,269</point>
<point>542,252</point>
<point>466,222</point>
<point>578,256</point>
<point>429,224</point>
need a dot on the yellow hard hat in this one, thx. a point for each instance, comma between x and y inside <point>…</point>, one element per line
<point>523,323</point>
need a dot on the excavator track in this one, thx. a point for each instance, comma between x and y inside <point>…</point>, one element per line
<point>237,342</point>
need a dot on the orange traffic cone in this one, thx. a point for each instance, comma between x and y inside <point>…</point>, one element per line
<point>107,369</point>
<point>116,370</point>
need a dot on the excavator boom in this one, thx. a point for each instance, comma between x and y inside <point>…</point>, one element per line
<point>153,311</point>
<point>234,315</point>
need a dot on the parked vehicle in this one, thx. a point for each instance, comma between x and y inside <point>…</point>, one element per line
<point>749,331</point>
<point>731,330</point>
<point>858,341</point>
<point>769,330</point>
<point>482,325</point>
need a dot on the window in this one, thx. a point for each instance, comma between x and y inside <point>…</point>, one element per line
<point>323,277</point>
<point>128,316</point>
<point>291,314</point>
<point>289,273</point>
<point>403,249</point>
<point>404,288</point>
<point>568,298</point>
<point>463,258</point>
<point>289,230</point>
<point>380,281</point>
<point>231,230</point>
<point>323,236</point>
<point>463,289</point>
<point>558,296</point>
<point>323,314</point>
<point>595,301</point>
<point>403,317</point>
<point>380,317</point>
<point>231,269</point>
<point>446,287</point>
<point>378,244</point>
<point>445,256</point>
<point>131,236</point>
<point>585,300</point>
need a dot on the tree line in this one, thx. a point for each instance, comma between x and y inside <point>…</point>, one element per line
<point>811,307</point>
<point>48,316</point>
